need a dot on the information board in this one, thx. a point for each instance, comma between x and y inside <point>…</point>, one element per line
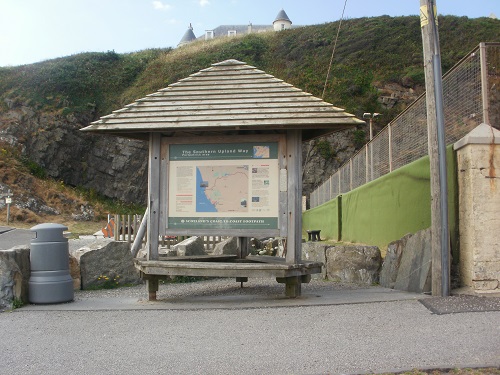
<point>223,186</point>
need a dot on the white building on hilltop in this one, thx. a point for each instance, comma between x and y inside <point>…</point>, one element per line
<point>281,22</point>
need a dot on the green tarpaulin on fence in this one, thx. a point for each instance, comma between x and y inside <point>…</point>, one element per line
<point>385,209</point>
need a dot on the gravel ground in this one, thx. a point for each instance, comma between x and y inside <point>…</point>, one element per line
<point>216,286</point>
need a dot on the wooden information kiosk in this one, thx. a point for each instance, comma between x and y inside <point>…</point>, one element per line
<point>225,159</point>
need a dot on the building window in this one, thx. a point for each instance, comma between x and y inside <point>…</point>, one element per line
<point>282,26</point>
<point>209,34</point>
<point>231,33</point>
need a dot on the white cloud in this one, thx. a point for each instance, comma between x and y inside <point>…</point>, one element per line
<point>204,2</point>
<point>160,6</point>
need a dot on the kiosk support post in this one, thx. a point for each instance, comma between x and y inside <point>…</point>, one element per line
<point>294,240</point>
<point>153,207</point>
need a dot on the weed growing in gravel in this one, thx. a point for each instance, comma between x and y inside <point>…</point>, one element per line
<point>106,282</point>
<point>17,303</point>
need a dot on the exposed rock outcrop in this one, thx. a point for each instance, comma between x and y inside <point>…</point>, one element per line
<point>359,264</point>
<point>190,246</point>
<point>14,276</point>
<point>112,166</point>
<point>392,260</point>
<point>353,264</point>
<point>117,167</point>
<point>415,269</point>
<point>227,247</point>
<point>105,263</point>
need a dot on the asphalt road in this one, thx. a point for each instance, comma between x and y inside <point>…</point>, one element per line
<point>345,338</point>
<point>10,237</point>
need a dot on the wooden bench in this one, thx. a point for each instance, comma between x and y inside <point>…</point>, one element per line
<point>292,275</point>
<point>313,235</point>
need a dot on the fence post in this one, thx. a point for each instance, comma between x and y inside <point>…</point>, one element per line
<point>129,230</point>
<point>350,174</point>
<point>135,225</point>
<point>389,130</point>
<point>484,83</point>
<point>124,227</point>
<point>340,181</point>
<point>117,228</point>
<point>366,164</point>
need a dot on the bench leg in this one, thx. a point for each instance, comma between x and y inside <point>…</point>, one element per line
<point>293,285</point>
<point>241,280</point>
<point>152,284</point>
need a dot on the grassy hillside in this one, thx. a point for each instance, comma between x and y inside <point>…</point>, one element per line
<point>371,52</point>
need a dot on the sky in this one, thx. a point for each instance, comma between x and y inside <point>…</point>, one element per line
<point>37,30</point>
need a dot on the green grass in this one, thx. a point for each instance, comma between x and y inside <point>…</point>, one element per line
<point>378,49</point>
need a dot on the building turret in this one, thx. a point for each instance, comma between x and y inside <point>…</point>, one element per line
<point>282,22</point>
<point>188,36</point>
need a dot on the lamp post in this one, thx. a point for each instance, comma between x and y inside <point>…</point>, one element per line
<point>371,116</point>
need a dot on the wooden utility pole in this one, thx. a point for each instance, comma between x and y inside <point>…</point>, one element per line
<point>437,149</point>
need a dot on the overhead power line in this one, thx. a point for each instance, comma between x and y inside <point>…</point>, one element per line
<point>333,52</point>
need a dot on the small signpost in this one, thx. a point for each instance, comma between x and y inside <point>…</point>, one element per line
<point>8,201</point>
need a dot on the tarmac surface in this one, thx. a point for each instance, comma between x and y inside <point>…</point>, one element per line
<point>10,237</point>
<point>216,327</point>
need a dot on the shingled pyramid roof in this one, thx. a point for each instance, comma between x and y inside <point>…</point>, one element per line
<point>230,97</point>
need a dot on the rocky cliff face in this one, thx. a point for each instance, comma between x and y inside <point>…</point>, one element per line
<point>323,156</point>
<point>117,167</point>
<point>112,166</point>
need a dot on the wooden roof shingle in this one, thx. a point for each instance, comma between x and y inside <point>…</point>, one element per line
<point>229,97</point>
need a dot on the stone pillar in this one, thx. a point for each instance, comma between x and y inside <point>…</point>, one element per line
<point>478,158</point>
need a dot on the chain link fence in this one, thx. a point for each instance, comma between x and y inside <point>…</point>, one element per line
<point>470,98</point>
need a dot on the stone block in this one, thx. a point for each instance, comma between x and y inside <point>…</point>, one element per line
<point>227,247</point>
<point>190,246</point>
<point>392,260</point>
<point>111,259</point>
<point>315,252</point>
<point>74,271</point>
<point>486,285</point>
<point>14,276</point>
<point>358,264</point>
<point>415,269</point>
<point>486,270</point>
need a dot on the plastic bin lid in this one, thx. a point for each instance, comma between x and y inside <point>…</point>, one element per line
<point>49,232</point>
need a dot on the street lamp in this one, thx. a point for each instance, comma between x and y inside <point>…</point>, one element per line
<point>371,116</point>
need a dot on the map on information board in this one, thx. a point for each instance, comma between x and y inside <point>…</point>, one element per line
<point>226,186</point>
<point>222,189</point>
<point>261,152</point>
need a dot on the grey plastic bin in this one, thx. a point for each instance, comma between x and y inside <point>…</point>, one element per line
<point>50,280</point>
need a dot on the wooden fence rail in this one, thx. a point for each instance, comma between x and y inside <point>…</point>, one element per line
<point>125,228</point>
